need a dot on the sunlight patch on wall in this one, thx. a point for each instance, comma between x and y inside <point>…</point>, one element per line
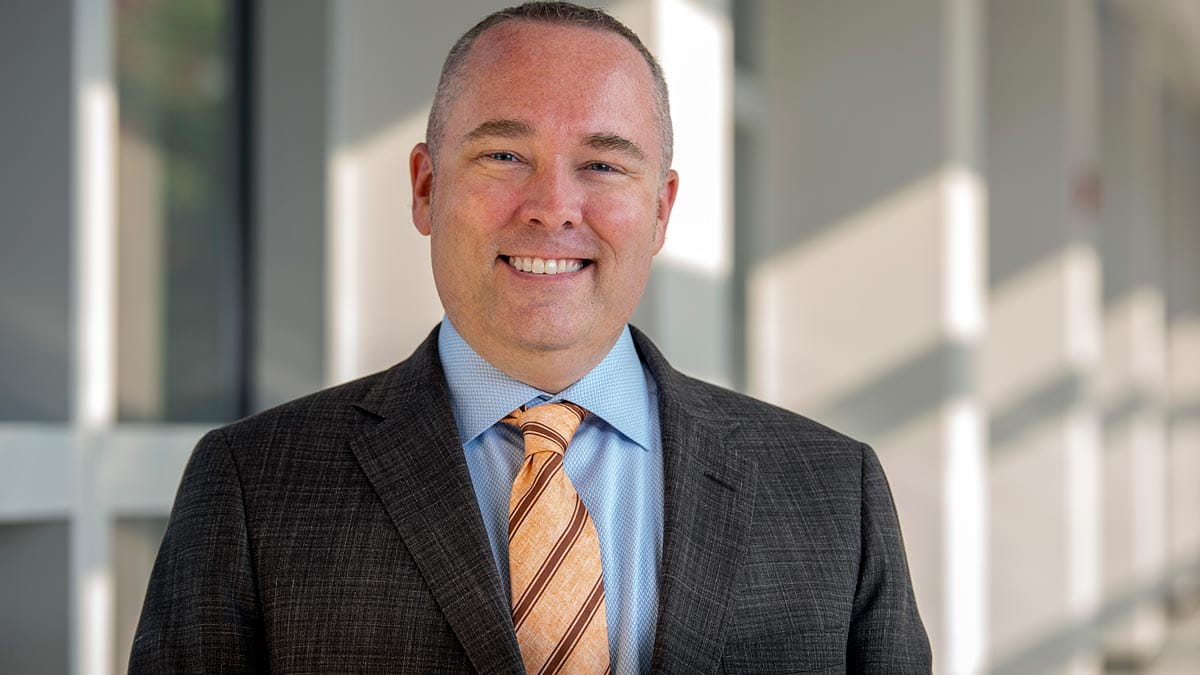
<point>381,294</point>
<point>1183,343</point>
<point>964,308</point>
<point>816,309</point>
<point>1043,322</point>
<point>693,47</point>
<point>95,294</point>
<point>1134,344</point>
<point>965,510</point>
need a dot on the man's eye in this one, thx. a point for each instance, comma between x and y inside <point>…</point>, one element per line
<point>601,166</point>
<point>503,156</point>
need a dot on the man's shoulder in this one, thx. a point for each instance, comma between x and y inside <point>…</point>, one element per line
<point>321,420</point>
<point>321,424</point>
<point>339,411</point>
<point>312,408</point>
<point>757,418</point>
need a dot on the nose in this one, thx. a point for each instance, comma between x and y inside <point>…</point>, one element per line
<point>553,198</point>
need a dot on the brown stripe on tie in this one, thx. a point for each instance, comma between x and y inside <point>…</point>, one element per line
<point>548,433</point>
<point>578,410</point>
<point>544,476</point>
<point>541,580</point>
<point>554,553</point>
<point>579,624</point>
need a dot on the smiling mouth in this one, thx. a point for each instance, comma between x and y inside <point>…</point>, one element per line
<point>545,265</point>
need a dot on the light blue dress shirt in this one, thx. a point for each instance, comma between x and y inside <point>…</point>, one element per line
<point>614,462</point>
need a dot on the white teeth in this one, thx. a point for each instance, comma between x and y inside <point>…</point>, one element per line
<point>545,265</point>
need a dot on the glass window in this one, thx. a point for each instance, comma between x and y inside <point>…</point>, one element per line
<point>181,340</point>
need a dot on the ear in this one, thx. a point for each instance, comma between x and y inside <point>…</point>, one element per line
<point>666,202</point>
<point>420,168</point>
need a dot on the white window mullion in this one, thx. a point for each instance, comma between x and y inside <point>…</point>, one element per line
<point>94,327</point>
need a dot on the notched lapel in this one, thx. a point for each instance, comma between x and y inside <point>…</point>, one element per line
<point>708,503</point>
<point>415,462</point>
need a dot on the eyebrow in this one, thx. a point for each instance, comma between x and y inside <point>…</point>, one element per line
<point>500,129</point>
<point>510,128</point>
<point>610,141</point>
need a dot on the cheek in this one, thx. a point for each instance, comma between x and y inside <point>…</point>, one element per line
<point>490,200</point>
<point>471,217</point>
<point>626,222</point>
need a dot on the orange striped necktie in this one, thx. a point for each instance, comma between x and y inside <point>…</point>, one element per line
<point>553,552</point>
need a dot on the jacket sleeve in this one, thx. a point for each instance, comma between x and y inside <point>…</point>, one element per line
<point>202,612</point>
<point>886,633</point>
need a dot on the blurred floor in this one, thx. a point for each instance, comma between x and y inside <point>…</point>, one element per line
<point>1182,653</point>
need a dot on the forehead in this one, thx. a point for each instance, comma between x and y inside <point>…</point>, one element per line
<point>513,43</point>
<point>551,72</point>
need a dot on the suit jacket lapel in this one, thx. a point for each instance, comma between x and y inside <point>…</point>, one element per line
<point>708,503</point>
<point>414,460</point>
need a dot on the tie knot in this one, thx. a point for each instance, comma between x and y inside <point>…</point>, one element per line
<point>547,427</point>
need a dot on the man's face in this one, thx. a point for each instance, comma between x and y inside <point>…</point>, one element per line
<point>547,203</point>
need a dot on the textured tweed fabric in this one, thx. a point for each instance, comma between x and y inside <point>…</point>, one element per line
<point>340,533</point>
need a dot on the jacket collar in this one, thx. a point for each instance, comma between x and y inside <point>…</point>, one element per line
<point>708,499</point>
<point>414,460</point>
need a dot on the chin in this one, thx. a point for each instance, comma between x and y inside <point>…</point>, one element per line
<point>549,340</point>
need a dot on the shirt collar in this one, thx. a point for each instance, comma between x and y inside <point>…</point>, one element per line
<point>616,390</point>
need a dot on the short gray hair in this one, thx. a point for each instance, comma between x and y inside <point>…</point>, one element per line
<point>565,13</point>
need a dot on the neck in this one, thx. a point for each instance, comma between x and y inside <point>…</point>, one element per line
<point>550,370</point>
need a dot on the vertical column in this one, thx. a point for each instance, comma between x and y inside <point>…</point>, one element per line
<point>1042,351</point>
<point>1183,344</point>
<point>93,385</point>
<point>866,278</point>
<point>1133,372</point>
<point>687,308</point>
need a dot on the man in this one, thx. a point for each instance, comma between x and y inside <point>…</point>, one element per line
<point>639,520</point>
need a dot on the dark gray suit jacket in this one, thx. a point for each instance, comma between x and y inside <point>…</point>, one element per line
<point>340,532</point>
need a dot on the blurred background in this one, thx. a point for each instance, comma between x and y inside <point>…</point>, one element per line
<point>965,231</point>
